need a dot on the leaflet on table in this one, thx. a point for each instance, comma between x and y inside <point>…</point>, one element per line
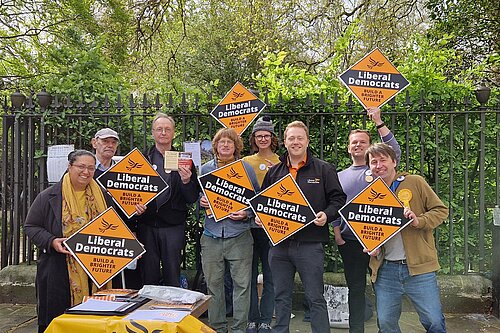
<point>155,305</point>
<point>120,294</point>
<point>171,316</point>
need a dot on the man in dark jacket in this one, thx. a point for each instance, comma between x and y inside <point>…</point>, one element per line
<point>162,227</point>
<point>303,252</point>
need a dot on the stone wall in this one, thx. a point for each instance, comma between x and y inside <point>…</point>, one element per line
<point>459,293</point>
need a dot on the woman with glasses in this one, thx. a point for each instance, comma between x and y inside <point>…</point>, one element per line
<point>263,143</point>
<point>56,214</point>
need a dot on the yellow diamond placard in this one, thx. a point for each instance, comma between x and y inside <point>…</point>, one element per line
<point>104,247</point>
<point>283,209</point>
<point>132,181</point>
<point>227,189</point>
<point>374,80</point>
<point>238,108</point>
<point>375,215</point>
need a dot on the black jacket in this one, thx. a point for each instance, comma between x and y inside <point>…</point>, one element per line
<point>319,182</point>
<point>174,211</point>
<point>44,223</point>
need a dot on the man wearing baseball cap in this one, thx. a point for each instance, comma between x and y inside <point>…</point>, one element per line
<point>105,143</point>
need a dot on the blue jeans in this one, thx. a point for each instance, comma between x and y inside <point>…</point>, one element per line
<point>392,282</point>
<point>263,312</point>
<point>306,258</point>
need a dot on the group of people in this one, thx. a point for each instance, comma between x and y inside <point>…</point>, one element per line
<point>62,209</point>
<point>406,264</point>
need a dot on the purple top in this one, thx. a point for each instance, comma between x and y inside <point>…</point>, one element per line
<point>353,181</point>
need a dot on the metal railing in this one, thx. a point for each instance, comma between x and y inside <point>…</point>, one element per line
<point>455,146</point>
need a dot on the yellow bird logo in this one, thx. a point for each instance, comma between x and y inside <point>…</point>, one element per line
<point>375,195</point>
<point>133,165</point>
<point>233,174</point>
<point>107,226</point>
<point>284,191</point>
<point>374,63</point>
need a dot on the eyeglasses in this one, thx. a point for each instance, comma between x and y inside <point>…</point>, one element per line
<point>226,142</point>
<point>263,137</point>
<point>163,130</point>
<point>81,167</point>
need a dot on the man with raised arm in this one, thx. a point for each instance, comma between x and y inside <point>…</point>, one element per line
<point>353,180</point>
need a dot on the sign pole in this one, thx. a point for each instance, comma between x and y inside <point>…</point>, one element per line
<point>123,279</point>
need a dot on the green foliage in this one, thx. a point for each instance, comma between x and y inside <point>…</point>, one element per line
<point>425,64</point>
<point>433,136</point>
<point>436,70</point>
<point>293,51</point>
<point>81,72</point>
<point>474,27</point>
<point>74,48</point>
<point>282,80</point>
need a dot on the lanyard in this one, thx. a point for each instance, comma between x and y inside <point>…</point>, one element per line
<point>395,185</point>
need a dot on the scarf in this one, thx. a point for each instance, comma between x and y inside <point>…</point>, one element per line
<point>74,216</point>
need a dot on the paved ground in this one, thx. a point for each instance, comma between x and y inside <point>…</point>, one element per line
<point>22,319</point>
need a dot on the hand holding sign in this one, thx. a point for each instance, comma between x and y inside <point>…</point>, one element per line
<point>374,253</point>
<point>140,209</point>
<point>239,215</point>
<point>204,202</point>
<point>282,210</point>
<point>321,219</point>
<point>57,244</point>
<point>374,114</point>
<point>411,215</point>
<point>375,215</point>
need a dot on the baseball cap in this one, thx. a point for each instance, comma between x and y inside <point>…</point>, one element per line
<point>106,133</point>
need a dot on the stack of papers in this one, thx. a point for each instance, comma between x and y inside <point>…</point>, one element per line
<point>97,305</point>
<point>170,294</point>
<point>170,316</point>
<point>171,306</point>
<point>119,294</point>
